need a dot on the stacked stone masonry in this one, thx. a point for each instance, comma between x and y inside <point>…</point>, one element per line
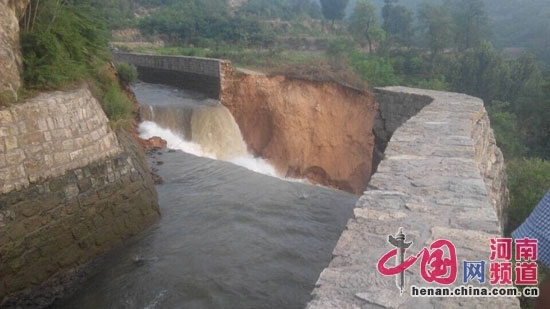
<point>195,65</point>
<point>204,75</point>
<point>80,190</point>
<point>442,177</point>
<point>50,134</point>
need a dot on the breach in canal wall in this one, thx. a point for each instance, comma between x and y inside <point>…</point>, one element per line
<point>438,174</point>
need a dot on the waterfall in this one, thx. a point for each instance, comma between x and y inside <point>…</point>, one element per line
<point>204,128</point>
<point>217,132</point>
<point>177,119</point>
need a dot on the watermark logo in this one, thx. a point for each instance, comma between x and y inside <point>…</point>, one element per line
<point>438,261</point>
<point>525,257</point>
<point>439,264</point>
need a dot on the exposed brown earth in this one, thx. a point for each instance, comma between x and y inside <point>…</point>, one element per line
<point>314,129</point>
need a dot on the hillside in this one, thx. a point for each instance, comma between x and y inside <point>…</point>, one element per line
<point>514,23</point>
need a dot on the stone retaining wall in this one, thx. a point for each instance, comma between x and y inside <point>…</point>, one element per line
<point>396,110</point>
<point>441,178</point>
<point>50,134</point>
<point>201,74</point>
<point>74,190</point>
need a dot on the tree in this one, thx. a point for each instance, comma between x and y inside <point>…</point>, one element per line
<point>525,79</point>
<point>471,22</point>
<point>397,22</point>
<point>436,25</point>
<point>481,72</point>
<point>60,43</point>
<point>333,9</point>
<point>530,98</point>
<point>528,181</point>
<point>377,71</point>
<point>363,23</point>
<point>506,129</point>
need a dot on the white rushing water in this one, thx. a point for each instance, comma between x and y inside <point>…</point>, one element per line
<point>148,129</point>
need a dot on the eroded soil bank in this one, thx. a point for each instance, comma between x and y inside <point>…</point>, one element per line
<point>314,129</point>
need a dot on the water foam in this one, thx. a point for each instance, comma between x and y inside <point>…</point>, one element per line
<point>148,129</point>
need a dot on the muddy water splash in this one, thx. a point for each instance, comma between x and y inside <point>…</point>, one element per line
<point>194,124</point>
<point>217,132</point>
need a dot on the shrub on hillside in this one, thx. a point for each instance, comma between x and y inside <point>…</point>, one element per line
<point>116,105</point>
<point>126,72</point>
<point>528,181</point>
<point>59,43</point>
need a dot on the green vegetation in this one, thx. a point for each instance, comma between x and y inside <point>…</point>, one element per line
<point>333,9</point>
<point>397,22</point>
<point>59,43</point>
<point>116,104</point>
<point>65,43</point>
<point>127,72</point>
<point>363,24</point>
<point>529,179</point>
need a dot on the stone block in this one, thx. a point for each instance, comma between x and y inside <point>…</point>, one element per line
<point>7,187</point>
<point>99,221</point>
<point>4,131</point>
<point>27,111</point>
<point>32,138</point>
<point>69,256</point>
<point>79,231</point>
<point>61,158</point>
<point>16,283</point>
<point>28,208</point>
<point>17,263</point>
<point>38,271</point>
<point>104,235</point>
<point>64,239</point>
<point>10,143</point>
<point>71,191</point>
<point>11,250</point>
<point>59,134</point>
<point>15,157</point>
<point>75,155</point>
<point>105,192</point>
<point>86,243</point>
<point>68,145</point>
<point>84,184</point>
<point>14,130</point>
<point>5,118</point>
<point>88,198</point>
<point>33,125</point>
<point>21,127</point>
